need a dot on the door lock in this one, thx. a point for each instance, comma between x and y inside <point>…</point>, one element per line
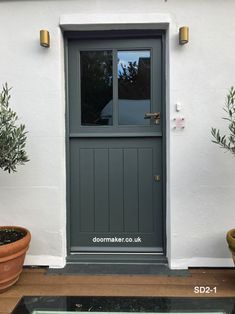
<point>157,177</point>
<point>153,115</point>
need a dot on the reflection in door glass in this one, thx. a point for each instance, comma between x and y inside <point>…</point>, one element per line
<point>96,88</point>
<point>133,86</point>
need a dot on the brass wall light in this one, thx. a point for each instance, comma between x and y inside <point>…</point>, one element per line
<point>44,38</point>
<point>183,35</point>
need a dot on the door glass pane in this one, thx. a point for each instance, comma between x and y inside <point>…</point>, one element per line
<point>133,87</point>
<point>96,88</point>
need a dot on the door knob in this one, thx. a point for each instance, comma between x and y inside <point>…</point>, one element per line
<point>153,115</point>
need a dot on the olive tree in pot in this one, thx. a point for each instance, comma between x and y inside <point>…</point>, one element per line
<point>227,142</point>
<point>14,240</point>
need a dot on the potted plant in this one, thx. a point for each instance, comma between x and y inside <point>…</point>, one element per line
<point>227,142</point>
<point>14,240</point>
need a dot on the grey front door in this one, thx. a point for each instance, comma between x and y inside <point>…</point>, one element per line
<point>115,145</point>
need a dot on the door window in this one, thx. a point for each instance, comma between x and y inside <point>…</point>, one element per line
<point>133,87</point>
<point>96,87</point>
<point>116,87</point>
<point>130,82</point>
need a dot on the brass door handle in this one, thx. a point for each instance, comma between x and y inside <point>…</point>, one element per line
<point>153,115</point>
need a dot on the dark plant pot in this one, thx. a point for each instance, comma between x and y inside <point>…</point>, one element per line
<point>12,257</point>
<point>231,242</point>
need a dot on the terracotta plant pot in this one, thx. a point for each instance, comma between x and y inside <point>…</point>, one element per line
<point>12,257</point>
<point>231,242</point>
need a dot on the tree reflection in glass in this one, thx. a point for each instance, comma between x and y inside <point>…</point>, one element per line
<point>133,86</point>
<point>96,87</point>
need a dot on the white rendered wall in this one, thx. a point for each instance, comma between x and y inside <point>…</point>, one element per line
<point>201,185</point>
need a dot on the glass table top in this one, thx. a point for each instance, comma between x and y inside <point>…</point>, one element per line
<point>66,312</point>
<point>124,305</point>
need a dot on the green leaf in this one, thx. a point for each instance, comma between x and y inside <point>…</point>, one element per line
<point>12,135</point>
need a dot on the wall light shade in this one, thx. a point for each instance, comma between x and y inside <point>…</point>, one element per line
<point>183,35</point>
<point>44,38</point>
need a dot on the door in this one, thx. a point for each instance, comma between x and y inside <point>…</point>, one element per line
<point>115,145</point>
